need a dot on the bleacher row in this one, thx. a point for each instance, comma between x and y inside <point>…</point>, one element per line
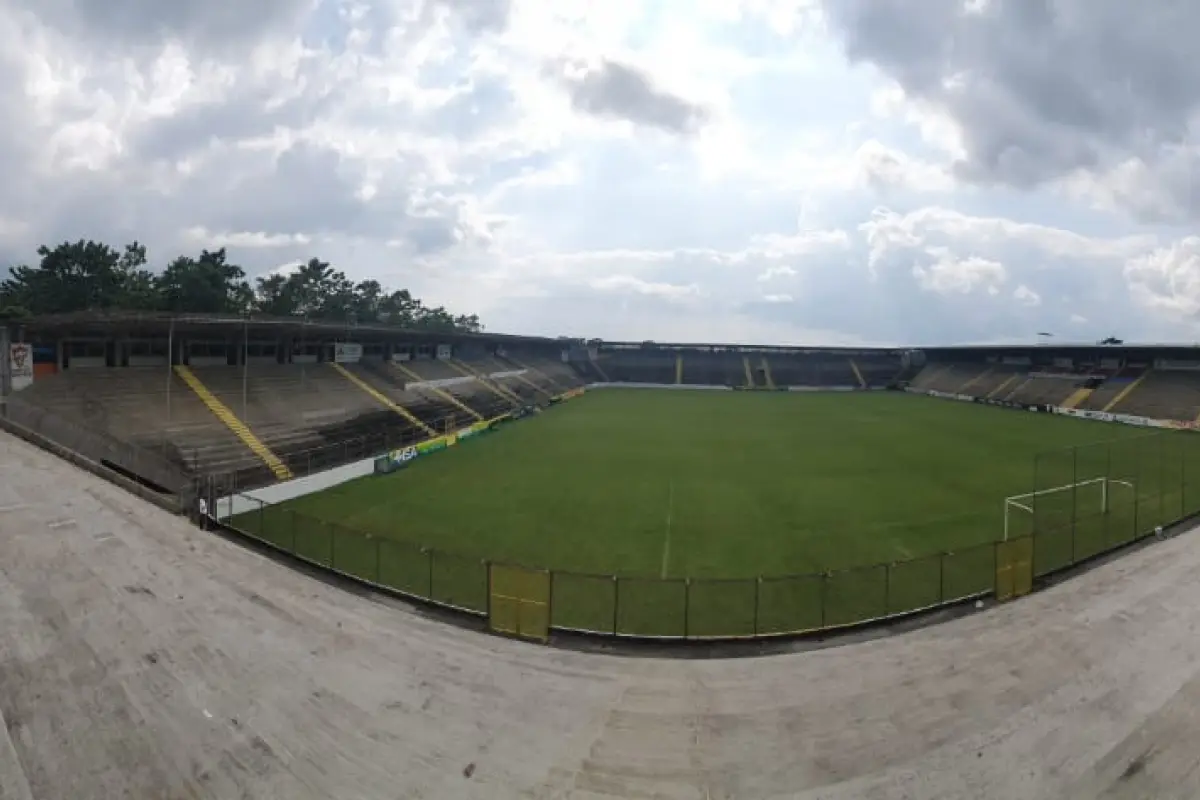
<point>1137,391</point>
<point>751,370</point>
<point>273,421</point>
<point>311,416</point>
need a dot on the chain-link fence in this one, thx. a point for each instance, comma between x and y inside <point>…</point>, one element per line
<point>1094,498</point>
<point>629,605</point>
<point>1084,501</point>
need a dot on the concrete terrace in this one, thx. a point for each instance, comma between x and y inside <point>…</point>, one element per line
<point>140,657</point>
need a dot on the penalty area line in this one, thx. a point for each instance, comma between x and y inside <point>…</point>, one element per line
<point>666,559</point>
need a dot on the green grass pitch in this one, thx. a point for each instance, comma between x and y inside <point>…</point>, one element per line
<point>722,488</point>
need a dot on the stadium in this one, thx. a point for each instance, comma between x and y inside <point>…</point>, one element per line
<point>427,487</point>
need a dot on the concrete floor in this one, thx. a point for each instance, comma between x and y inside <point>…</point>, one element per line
<point>141,658</point>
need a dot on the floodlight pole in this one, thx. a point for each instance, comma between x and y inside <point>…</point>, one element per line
<point>245,362</point>
<point>170,363</point>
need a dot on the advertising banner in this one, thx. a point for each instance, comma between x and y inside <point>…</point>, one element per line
<point>431,446</point>
<point>347,353</point>
<point>20,361</point>
<point>401,356</point>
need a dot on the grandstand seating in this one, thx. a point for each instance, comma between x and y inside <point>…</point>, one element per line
<point>460,394</point>
<point>714,369</point>
<point>437,408</point>
<point>642,366</point>
<point>996,381</point>
<point>1044,390</point>
<point>135,404</point>
<point>530,373</point>
<point>560,374</point>
<point>1164,394</point>
<point>878,371</point>
<point>948,378</point>
<point>731,367</point>
<point>1108,391</point>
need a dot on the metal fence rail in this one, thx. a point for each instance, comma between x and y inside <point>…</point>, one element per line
<point>1085,501</point>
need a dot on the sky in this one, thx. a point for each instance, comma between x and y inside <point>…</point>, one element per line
<point>892,172</point>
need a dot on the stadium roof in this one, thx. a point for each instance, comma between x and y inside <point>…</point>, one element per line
<point>159,323</point>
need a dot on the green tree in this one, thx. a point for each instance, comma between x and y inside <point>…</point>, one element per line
<point>208,284</point>
<point>81,275</point>
<point>74,276</point>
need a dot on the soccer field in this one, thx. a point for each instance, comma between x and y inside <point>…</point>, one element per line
<point>705,485</point>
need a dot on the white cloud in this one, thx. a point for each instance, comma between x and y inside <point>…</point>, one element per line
<point>1167,280</point>
<point>949,274</point>
<point>1026,296</point>
<point>770,273</point>
<point>675,170</point>
<point>884,168</point>
<point>246,239</point>
<point>630,284</point>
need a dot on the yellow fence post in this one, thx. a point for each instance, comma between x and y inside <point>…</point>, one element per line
<point>519,602</point>
<point>1014,568</point>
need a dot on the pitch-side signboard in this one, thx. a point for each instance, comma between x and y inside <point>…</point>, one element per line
<point>20,362</point>
<point>347,353</point>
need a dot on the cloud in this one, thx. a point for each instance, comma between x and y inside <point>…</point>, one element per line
<point>1167,279</point>
<point>949,274</point>
<point>883,168</point>
<point>613,89</point>
<point>1026,296</point>
<point>706,171</point>
<point>629,284</point>
<point>1039,91</point>
<point>770,273</point>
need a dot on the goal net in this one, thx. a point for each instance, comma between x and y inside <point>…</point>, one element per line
<point>1057,506</point>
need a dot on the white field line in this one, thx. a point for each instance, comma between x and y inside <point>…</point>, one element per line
<point>667,536</point>
<point>1021,506</point>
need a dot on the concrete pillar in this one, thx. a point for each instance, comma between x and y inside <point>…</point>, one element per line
<point>5,365</point>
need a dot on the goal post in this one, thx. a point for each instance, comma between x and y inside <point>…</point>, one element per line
<point>1061,500</point>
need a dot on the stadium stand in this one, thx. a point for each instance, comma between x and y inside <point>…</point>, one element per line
<point>148,407</point>
<point>644,366</point>
<point>1040,389</point>
<point>878,370</point>
<point>438,382</point>
<point>948,378</point>
<point>715,369</point>
<point>310,398</point>
<point>1113,389</point>
<point>1163,394</point>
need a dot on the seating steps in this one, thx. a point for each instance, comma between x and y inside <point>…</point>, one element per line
<point>1164,394</point>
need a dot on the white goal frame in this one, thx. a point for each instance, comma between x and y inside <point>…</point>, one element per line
<point>1014,502</point>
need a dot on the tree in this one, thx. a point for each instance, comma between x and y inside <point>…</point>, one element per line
<point>81,275</point>
<point>208,284</point>
<point>74,276</point>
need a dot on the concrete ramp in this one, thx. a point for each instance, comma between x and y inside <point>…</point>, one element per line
<point>140,657</point>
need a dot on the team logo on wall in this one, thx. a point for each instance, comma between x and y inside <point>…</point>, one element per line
<point>20,360</point>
